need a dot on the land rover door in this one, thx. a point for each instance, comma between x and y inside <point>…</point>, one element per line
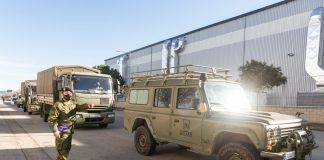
<point>161,111</point>
<point>186,121</point>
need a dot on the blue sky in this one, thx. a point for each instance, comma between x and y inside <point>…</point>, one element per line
<point>38,34</point>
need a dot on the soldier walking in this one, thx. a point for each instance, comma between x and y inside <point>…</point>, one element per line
<point>62,119</point>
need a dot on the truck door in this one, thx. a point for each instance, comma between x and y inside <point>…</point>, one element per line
<point>186,121</point>
<point>161,111</point>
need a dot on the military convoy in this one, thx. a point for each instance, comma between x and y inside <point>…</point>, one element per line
<point>200,110</point>
<point>197,108</point>
<point>28,97</point>
<point>88,85</point>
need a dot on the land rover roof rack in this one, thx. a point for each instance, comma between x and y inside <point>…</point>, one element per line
<point>186,71</point>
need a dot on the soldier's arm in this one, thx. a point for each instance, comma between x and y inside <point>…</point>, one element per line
<point>52,117</point>
<point>83,107</point>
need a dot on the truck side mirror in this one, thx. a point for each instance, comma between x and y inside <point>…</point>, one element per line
<point>59,85</point>
<point>125,89</point>
<point>118,86</point>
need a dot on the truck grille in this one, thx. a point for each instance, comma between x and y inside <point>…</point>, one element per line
<point>104,100</point>
<point>99,119</point>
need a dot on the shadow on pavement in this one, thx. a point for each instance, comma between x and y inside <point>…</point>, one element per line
<point>27,153</point>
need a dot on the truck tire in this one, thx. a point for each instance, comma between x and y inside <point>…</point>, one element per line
<point>25,108</point>
<point>144,142</point>
<point>30,113</point>
<point>236,150</point>
<point>45,116</point>
<point>41,112</point>
<point>103,125</point>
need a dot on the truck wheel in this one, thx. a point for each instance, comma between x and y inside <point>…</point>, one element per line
<point>183,147</point>
<point>144,142</point>
<point>103,125</point>
<point>41,113</point>
<point>44,115</point>
<point>30,113</point>
<point>25,109</point>
<point>234,150</point>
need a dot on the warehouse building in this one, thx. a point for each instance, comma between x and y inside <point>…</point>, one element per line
<point>276,34</point>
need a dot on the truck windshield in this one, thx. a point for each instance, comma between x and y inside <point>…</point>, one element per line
<point>91,84</point>
<point>229,96</point>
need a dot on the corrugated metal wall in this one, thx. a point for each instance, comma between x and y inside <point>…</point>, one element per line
<point>269,35</point>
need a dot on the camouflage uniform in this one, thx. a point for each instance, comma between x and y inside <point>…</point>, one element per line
<point>63,114</point>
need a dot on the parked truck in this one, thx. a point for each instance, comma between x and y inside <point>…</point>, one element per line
<point>28,98</point>
<point>88,85</point>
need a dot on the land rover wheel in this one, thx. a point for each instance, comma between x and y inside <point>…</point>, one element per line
<point>144,142</point>
<point>238,151</point>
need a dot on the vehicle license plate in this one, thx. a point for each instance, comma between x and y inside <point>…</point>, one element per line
<point>94,115</point>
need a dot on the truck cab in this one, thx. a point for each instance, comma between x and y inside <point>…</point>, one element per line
<point>91,88</point>
<point>31,98</point>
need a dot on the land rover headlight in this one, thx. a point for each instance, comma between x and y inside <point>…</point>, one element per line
<point>273,137</point>
<point>306,127</point>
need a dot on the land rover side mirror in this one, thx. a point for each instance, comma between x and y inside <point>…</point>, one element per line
<point>195,103</point>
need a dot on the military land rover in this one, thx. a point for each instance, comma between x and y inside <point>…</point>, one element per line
<point>206,113</point>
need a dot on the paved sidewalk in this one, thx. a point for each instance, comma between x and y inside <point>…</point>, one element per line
<point>20,139</point>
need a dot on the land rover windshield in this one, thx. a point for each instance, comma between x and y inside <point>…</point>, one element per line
<point>91,84</point>
<point>228,96</point>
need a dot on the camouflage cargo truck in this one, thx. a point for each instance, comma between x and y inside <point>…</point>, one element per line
<point>21,98</point>
<point>204,112</point>
<point>88,85</point>
<point>28,100</point>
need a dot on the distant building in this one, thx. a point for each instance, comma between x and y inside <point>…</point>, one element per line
<point>275,34</point>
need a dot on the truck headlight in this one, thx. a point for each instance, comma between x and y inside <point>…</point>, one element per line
<point>110,115</point>
<point>78,116</point>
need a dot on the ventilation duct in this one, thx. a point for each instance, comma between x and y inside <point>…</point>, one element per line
<point>165,54</point>
<point>314,50</point>
<point>176,47</point>
<point>170,52</point>
<point>120,63</point>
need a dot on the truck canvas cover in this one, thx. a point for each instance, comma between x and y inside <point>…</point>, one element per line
<point>46,78</point>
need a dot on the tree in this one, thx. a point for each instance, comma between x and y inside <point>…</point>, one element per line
<point>259,76</point>
<point>105,69</point>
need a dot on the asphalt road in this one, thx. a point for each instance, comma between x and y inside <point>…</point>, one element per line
<point>24,136</point>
